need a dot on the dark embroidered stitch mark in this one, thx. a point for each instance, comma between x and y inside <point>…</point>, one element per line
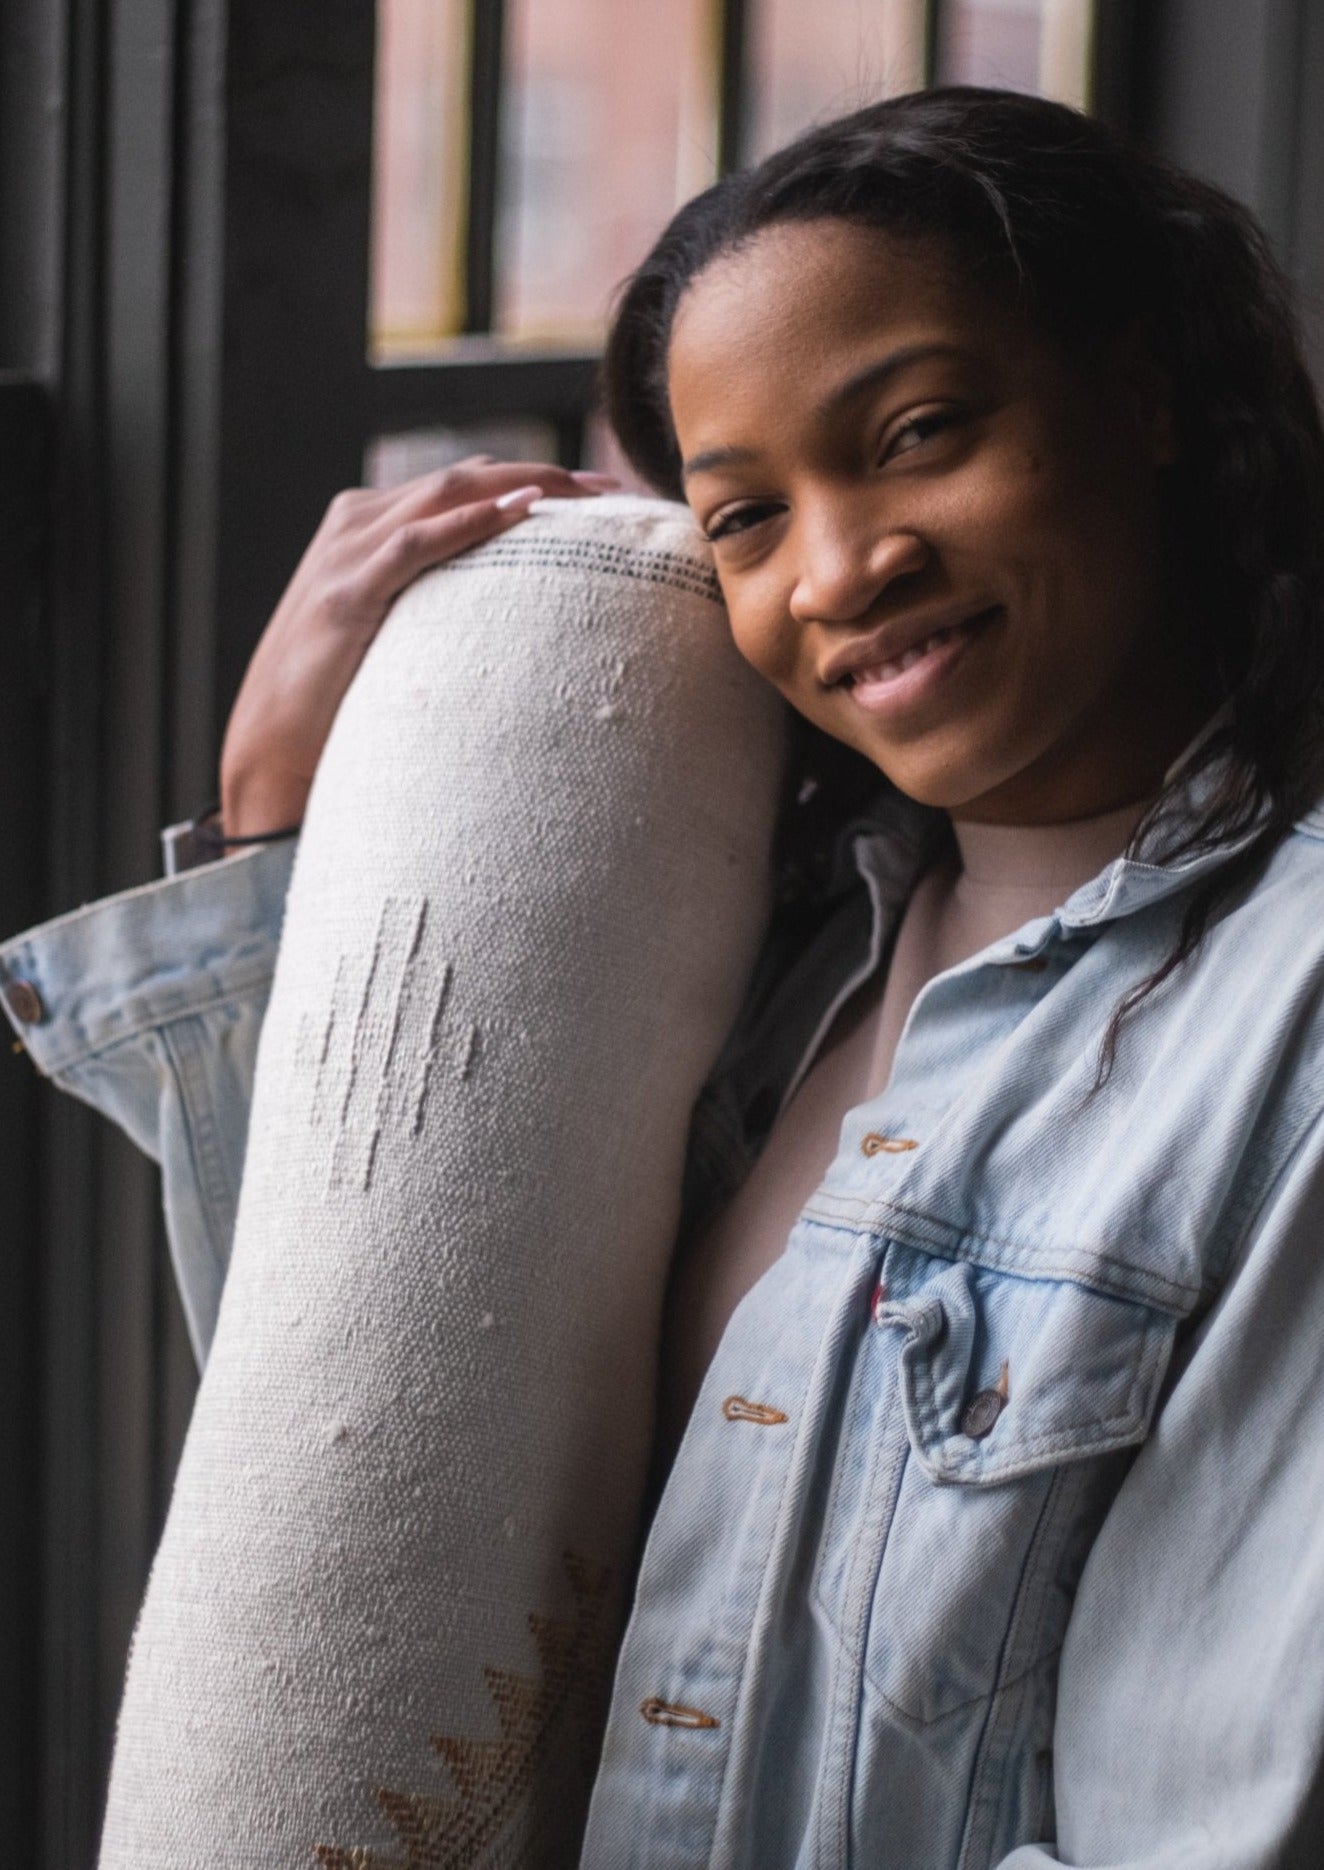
<point>739,1409</point>
<point>675,1714</point>
<point>492,1777</point>
<point>659,568</point>
<point>888,1145</point>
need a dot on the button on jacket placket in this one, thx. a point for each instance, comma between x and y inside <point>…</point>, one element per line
<point>740,1504</point>
<point>738,1511</point>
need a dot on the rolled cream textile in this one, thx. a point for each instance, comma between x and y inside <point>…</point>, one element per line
<point>380,1625</point>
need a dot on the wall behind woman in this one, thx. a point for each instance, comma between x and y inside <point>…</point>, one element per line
<point>1233,89</point>
<point>172,173</point>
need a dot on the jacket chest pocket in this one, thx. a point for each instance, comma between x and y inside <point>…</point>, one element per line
<point>998,1414</point>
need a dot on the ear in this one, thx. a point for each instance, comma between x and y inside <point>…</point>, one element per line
<point>1148,387</point>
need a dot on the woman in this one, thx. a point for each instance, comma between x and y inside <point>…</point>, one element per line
<point>992,1537</point>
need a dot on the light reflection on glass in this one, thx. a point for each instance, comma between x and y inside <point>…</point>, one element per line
<point>809,63</point>
<point>391,459</point>
<point>1042,46</point>
<point>420,162</point>
<point>609,123</point>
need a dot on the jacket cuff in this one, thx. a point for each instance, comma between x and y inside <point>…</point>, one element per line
<point>87,980</point>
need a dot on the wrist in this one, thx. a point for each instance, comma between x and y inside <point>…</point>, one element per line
<point>257,809</point>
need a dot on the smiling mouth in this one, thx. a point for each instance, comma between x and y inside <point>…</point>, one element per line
<point>879,673</point>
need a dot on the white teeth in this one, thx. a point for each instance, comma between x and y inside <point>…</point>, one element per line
<point>886,671</point>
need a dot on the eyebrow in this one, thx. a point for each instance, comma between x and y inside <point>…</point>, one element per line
<point>714,458</point>
<point>872,377</point>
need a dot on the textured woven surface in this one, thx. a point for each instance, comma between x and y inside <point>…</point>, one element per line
<point>379,1628</point>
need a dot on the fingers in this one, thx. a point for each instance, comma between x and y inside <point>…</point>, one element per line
<point>467,482</point>
<point>415,545</point>
<point>374,542</point>
<point>360,519</point>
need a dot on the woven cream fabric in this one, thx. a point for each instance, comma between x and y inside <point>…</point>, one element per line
<point>380,1625</point>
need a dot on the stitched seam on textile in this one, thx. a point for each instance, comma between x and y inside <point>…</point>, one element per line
<point>662,568</point>
<point>200,1131</point>
<point>890,1218</point>
<point>152,1020</point>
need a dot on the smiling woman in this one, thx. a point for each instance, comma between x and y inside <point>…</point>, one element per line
<point>1014,481</point>
<point>937,534</point>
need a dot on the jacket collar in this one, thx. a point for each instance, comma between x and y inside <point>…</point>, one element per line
<point>892,845</point>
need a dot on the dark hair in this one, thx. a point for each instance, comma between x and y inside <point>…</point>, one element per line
<point>1087,234</point>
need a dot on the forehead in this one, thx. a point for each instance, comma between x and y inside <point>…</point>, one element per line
<point>802,303</point>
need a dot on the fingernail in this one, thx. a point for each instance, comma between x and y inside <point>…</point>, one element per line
<point>519,496</point>
<point>600,482</point>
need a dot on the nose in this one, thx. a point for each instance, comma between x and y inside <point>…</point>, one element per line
<point>848,557</point>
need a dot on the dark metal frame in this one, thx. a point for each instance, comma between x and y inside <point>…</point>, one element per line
<point>300,401</point>
<point>24,445</point>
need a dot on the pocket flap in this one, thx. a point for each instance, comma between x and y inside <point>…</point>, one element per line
<point>1001,1376</point>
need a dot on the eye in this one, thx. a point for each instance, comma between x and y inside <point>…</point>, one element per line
<point>739,519</point>
<point>918,429</point>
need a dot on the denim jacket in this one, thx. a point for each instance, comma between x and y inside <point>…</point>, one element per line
<point>997,1533</point>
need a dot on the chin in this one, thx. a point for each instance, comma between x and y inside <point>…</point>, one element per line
<point>948,780</point>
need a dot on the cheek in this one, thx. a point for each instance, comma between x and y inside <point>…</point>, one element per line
<point>1038,525</point>
<point>766,636</point>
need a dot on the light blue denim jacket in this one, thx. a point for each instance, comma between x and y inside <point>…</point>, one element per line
<point>997,1533</point>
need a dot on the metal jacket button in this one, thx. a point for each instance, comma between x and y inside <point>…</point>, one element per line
<point>984,1408</point>
<point>24,1002</point>
<point>981,1412</point>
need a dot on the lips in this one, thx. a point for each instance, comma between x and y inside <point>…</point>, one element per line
<point>890,651</point>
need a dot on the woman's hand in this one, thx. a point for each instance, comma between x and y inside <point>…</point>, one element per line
<point>369,546</point>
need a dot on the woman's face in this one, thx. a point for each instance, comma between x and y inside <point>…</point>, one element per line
<point>936,534</point>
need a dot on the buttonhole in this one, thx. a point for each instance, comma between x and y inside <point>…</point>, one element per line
<point>740,1409</point>
<point>675,1714</point>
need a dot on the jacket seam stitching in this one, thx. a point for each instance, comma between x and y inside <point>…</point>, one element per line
<point>158,1019</point>
<point>881,1216</point>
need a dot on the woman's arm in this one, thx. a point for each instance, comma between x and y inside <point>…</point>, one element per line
<point>149,1004</point>
<point>1190,1723</point>
<point>369,546</point>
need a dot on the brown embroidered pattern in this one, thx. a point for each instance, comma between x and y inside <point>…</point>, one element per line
<point>597,557</point>
<point>740,1409</point>
<point>491,1777</point>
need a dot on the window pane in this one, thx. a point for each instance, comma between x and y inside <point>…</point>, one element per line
<point>812,62</point>
<point>420,138</point>
<point>609,123</point>
<point>1020,45</point>
<point>394,458</point>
